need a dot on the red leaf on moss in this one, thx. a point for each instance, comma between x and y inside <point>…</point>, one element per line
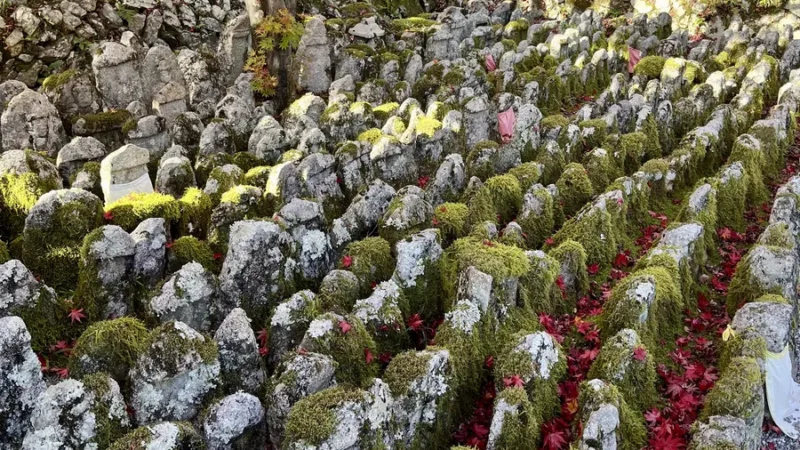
<point>593,269</point>
<point>262,336</point>
<point>344,327</point>
<point>415,322</point>
<point>76,315</point>
<point>263,351</point>
<point>422,182</point>
<point>513,381</point>
<point>385,358</point>
<point>621,260</point>
<point>62,372</point>
<point>555,435</point>
<point>435,222</point>
<point>347,261</point>
<point>639,353</point>
<point>170,244</point>
<point>108,215</point>
<point>217,256</point>
<point>489,363</point>
<point>549,241</point>
<point>368,355</point>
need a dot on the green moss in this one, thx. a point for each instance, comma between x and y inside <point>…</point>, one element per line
<point>635,148</point>
<point>520,427</point>
<point>650,66</point>
<point>499,196</point>
<point>385,110</point>
<point>4,255</point>
<point>747,344</point>
<point>454,77</point>
<point>635,379</point>
<point>110,346</point>
<point>104,121</point>
<point>195,212</point>
<point>631,433</point>
<point>500,261</point>
<point>413,24</point>
<point>338,293</point>
<point>372,136</point>
<point>451,219</point>
<point>601,169</point>
<point>404,369</point>
<point>18,194</point>
<point>554,121</point>
<point>663,319</point>
<point>225,181</point>
<point>515,360</point>
<point>370,260</point>
<point>131,210</point>
<point>186,249</point>
<point>257,176</point>
<point>55,81</point>
<point>107,427</point>
<point>572,257</point>
<point>53,253</point>
<point>426,126</point>
<point>738,392</point>
<point>593,132</point>
<point>347,349</point>
<point>574,188</point>
<point>527,174</point>
<point>600,232</point>
<point>246,160</point>
<point>313,419</point>
<point>538,223</point>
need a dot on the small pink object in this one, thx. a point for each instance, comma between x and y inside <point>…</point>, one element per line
<point>490,64</point>
<point>505,121</point>
<point>633,58</point>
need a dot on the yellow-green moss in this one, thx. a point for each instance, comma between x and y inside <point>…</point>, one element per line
<point>141,438</point>
<point>338,294</point>
<point>500,261</point>
<point>754,161</point>
<point>110,346</point>
<point>104,121</point>
<point>426,126</point>
<point>499,196</point>
<point>18,194</point>
<point>313,419</point>
<point>738,392</point>
<point>664,320</point>
<point>601,169</point>
<point>168,347</point>
<point>131,210</point>
<point>520,427</point>
<point>370,260</point>
<point>372,136</point>
<point>257,176</point>
<point>348,349</point>
<point>650,66</point>
<point>186,249</point>
<point>4,255</point>
<point>404,369</point>
<point>595,138</point>
<point>572,257</point>
<point>384,111</point>
<point>574,188</point>
<point>513,361</point>
<point>745,344</point>
<point>451,219</point>
<point>195,209</point>
<point>527,174</point>
<point>635,379</point>
<point>108,428</point>
<point>55,81</point>
<point>631,433</point>
<point>744,287</point>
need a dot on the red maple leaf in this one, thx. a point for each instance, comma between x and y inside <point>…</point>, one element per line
<point>368,355</point>
<point>725,233</point>
<point>170,244</point>
<point>217,255</point>
<point>555,435</point>
<point>435,222</point>
<point>668,443</point>
<point>302,351</point>
<point>344,326</point>
<point>513,381</point>
<point>62,372</point>
<point>621,260</point>
<point>593,269</point>
<point>652,416</point>
<point>415,322</point>
<point>385,358</point>
<point>76,315</point>
<point>549,241</point>
<point>481,431</point>
<point>640,353</point>
<point>347,261</point>
<point>263,351</point>
<point>108,215</point>
<point>422,182</point>
<point>488,243</point>
<point>561,286</point>
<point>489,362</point>
<point>262,336</point>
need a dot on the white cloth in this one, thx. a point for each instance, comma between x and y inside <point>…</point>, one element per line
<point>141,185</point>
<point>783,394</point>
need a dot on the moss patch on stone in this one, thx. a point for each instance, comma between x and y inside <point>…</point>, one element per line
<point>131,210</point>
<point>370,260</point>
<point>110,346</point>
<point>313,419</point>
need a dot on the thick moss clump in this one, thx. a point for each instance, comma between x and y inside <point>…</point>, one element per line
<point>370,260</point>
<point>18,194</point>
<point>601,168</point>
<point>313,419</point>
<point>731,201</point>
<point>480,160</point>
<point>663,318</point>
<point>168,347</point>
<point>499,199</point>
<point>744,287</point>
<point>4,255</point>
<point>594,133</point>
<point>650,66</point>
<point>338,292</point>
<point>404,369</point>
<point>751,153</point>
<point>104,121</point>
<point>574,188</point>
<point>527,174</point>
<point>110,346</point>
<point>53,253</point>
<point>129,211</point>
<point>738,392</point>
<point>635,378</point>
<point>538,291</point>
<point>257,176</point>
<point>631,433</point>
<point>187,249</point>
<point>571,257</point>
<point>541,380</point>
<point>451,219</point>
<point>195,213</point>
<point>520,427</point>
<point>346,348</point>
<point>371,136</point>
<point>746,344</point>
<point>500,261</point>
